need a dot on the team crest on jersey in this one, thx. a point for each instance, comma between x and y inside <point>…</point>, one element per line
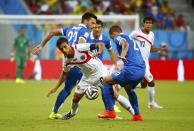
<point>119,38</point>
<point>82,57</point>
<point>117,73</point>
<point>86,34</point>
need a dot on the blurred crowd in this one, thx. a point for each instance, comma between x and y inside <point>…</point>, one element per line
<point>165,17</point>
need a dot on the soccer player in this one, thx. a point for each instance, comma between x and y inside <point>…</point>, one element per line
<point>95,37</point>
<point>92,69</point>
<point>132,72</point>
<point>20,48</point>
<point>76,34</point>
<point>145,40</point>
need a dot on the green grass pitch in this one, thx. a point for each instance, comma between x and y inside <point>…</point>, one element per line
<point>26,108</point>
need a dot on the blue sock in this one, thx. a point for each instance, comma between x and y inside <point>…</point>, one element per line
<point>107,96</point>
<point>133,100</point>
<point>73,76</point>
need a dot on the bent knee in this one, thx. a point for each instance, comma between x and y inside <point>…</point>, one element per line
<point>151,84</point>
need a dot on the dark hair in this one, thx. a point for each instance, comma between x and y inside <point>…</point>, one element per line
<point>60,41</point>
<point>99,22</point>
<point>148,18</point>
<point>88,16</point>
<point>115,28</point>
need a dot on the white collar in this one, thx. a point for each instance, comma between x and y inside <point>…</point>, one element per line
<point>82,25</point>
<point>92,36</point>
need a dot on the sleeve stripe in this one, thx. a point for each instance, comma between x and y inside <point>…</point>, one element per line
<point>121,40</point>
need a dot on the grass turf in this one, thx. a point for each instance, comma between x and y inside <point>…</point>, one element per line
<point>26,108</point>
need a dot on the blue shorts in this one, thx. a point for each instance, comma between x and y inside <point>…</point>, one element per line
<point>130,76</point>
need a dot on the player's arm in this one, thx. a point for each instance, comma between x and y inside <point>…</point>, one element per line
<point>90,47</point>
<point>81,40</point>
<point>113,57</point>
<point>100,47</point>
<point>12,53</point>
<point>84,35</point>
<point>38,48</point>
<point>125,47</point>
<point>62,78</point>
<point>154,49</point>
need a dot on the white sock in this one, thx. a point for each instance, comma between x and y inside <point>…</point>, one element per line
<point>151,93</point>
<point>139,85</point>
<point>125,103</point>
<point>74,108</point>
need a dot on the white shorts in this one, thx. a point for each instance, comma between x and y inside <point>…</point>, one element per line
<point>93,79</point>
<point>148,75</point>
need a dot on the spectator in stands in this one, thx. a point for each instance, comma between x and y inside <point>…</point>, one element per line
<point>158,16</point>
<point>166,8</point>
<point>169,22</point>
<point>65,8</point>
<point>55,8</point>
<point>44,8</point>
<point>181,24</point>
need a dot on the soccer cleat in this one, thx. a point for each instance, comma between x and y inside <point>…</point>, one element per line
<point>54,115</point>
<point>22,81</point>
<point>17,81</point>
<point>154,105</point>
<point>137,118</point>
<point>107,114</point>
<point>116,108</point>
<point>67,116</point>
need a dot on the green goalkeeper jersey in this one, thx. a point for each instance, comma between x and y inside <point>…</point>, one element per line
<point>21,45</point>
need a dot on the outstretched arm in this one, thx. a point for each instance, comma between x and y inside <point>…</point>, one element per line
<point>62,78</point>
<point>154,49</point>
<point>56,32</point>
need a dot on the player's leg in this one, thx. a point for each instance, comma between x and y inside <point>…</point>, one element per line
<point>18,69</point>
<point>73,77</point>
<point>79,93</point>
<point>135,76</point>
<point>123,101</point>
<point>109,102</point>
<point>117,88</point>
<point>23,65</point>
<point>74,106</point>
<point>117,77</point>
<point>151,90</point>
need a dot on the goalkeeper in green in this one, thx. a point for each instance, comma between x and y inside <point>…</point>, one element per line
<point>20,49</point>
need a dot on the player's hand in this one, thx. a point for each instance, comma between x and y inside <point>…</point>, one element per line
<point>117,68</point>
<point>36,50</point>
<point>164,47</point>
<point>12,59</point>
<point>95,54</point>
<point>122,58</point>
<point>52,91</point>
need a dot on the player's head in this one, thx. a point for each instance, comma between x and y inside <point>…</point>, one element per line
<point>63,45</point>
<point>148,22</point>
<point>114,30</point>
<point>89,20</point>
<point>22,31</point>
<point>97,30</point>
